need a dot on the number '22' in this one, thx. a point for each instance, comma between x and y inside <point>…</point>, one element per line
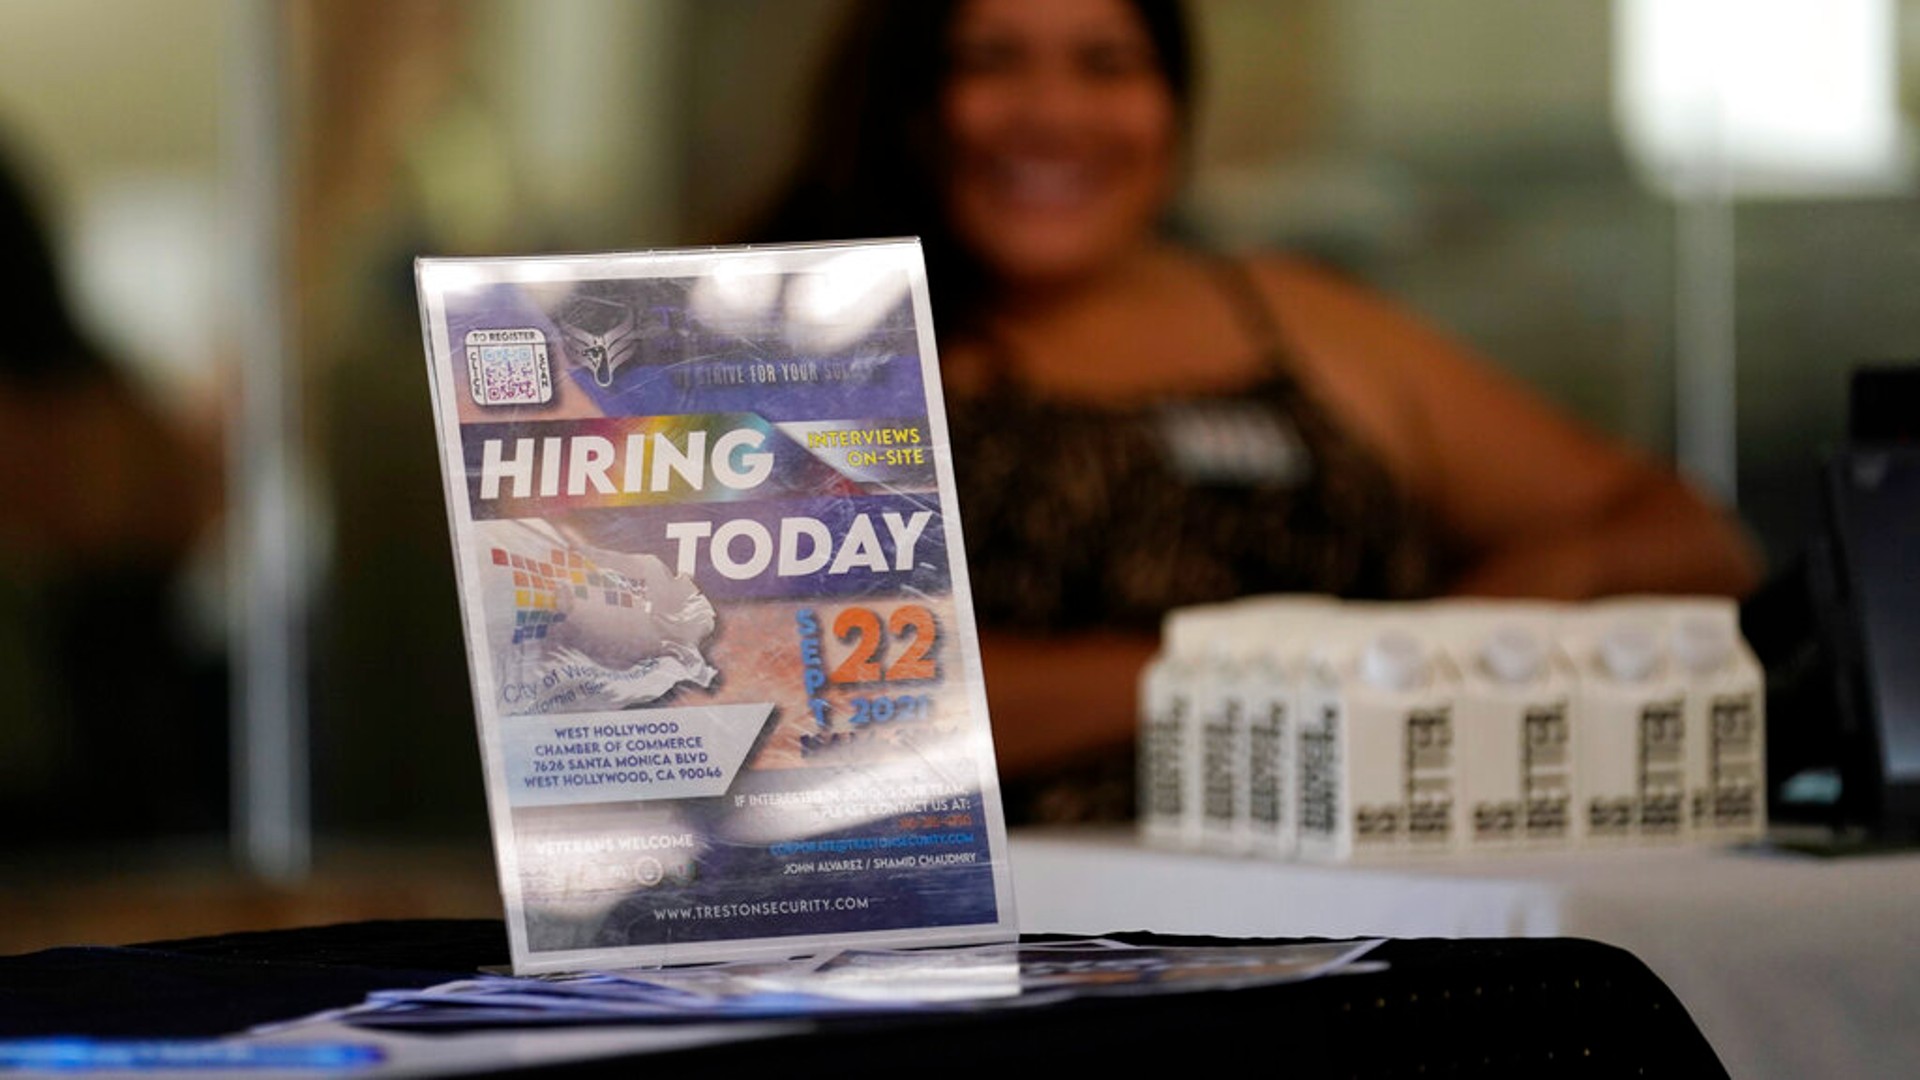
<point>860,627</point>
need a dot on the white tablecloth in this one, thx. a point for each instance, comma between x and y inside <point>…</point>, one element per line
<point>1795,967</point>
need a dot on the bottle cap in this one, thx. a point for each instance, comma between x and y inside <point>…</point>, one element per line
<point>1514,653</point>
<point>1394,660</point>
<point>1629,651</point>
<point>1702,644</point>
<point>1184,631</point>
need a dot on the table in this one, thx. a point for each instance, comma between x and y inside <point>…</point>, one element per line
<point>1534,1007</point>
<point>1794,966</point>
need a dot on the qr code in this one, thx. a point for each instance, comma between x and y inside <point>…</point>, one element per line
<point>508,367</point>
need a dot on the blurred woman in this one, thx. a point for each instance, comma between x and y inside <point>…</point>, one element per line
<point>1139,425</point>
<point>112,723</point>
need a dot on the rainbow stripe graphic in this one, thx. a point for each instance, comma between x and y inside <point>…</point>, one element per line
<point>537,585</point>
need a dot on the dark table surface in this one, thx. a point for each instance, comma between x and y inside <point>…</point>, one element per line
<point>1438,1007</point>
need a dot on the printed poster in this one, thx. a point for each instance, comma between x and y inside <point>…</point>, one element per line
<point>724,662</point>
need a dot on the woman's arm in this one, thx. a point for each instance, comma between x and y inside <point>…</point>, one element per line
<point>1540,504</point>
<point>1057,699</point>
<point>1655,535</point>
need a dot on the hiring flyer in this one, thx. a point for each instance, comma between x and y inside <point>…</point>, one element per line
<point>724,663</point>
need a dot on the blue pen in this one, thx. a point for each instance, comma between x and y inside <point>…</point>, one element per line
<point>95,1055</point>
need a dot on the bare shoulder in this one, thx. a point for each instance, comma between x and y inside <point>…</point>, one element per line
<point>1287,271</point>
<point>1325,305</point>
<point>1351,345</point>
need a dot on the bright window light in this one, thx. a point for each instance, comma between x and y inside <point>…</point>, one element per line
<point>1761,97</point>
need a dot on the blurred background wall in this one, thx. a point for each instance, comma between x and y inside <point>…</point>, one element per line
<point>1472,157</point>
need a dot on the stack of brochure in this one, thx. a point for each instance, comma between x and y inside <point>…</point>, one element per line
<point>856,982</point>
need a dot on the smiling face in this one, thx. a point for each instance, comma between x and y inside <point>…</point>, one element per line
<point>1063,133</point>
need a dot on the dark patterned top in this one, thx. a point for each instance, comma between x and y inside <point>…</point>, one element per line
<point>1083,517</point>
